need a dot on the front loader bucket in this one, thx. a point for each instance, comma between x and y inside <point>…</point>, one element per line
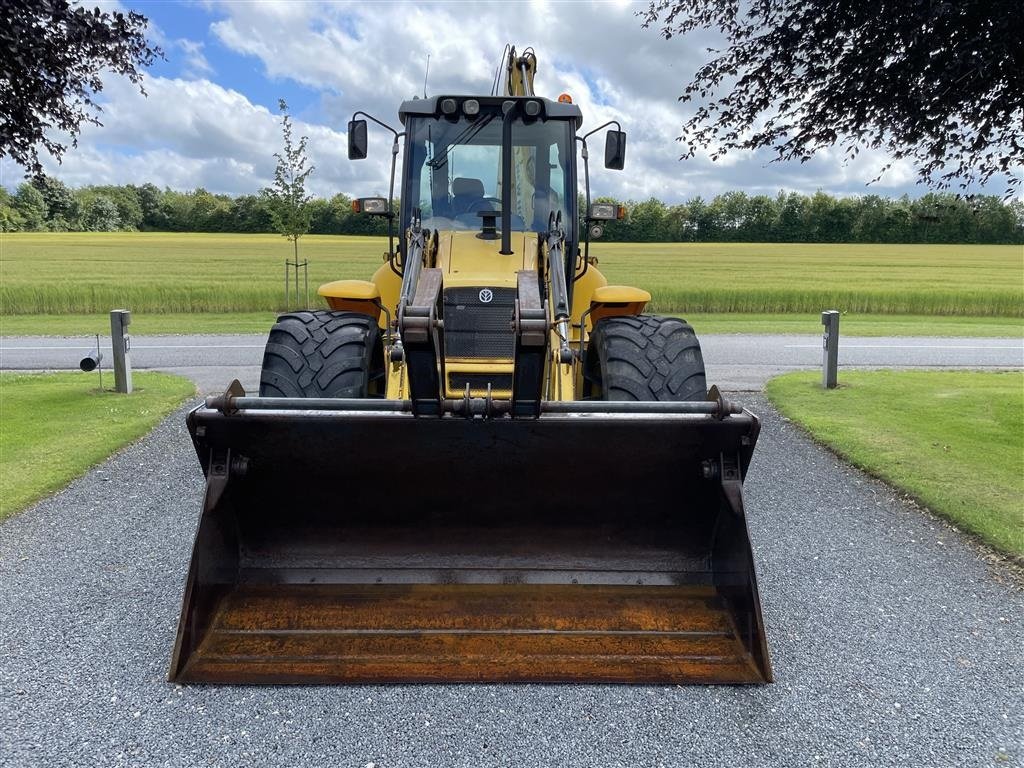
<point>340,546</point>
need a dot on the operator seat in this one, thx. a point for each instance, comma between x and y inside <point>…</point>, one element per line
<point>467,192</point>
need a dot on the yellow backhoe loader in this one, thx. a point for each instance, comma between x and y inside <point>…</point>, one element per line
<point>484,463</point>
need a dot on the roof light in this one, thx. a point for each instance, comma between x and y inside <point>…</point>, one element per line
<point>532,108</point>
<point>565,98</point>
<point>448,106</point>
<point>471,107</point>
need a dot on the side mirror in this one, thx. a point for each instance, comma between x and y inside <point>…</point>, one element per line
<point>615,150</point>
<point>356,139</point>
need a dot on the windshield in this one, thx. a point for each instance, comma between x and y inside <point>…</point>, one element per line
<point>454,171</point>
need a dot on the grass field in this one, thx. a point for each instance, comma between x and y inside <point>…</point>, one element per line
<point>182,274</point>
<point>955,442</point>
<point>54,426</point>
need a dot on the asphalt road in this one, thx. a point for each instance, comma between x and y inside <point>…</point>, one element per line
<point>734,362</point>
<point>894,643</point>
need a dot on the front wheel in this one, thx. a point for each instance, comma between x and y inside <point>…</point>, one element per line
<point>644,358</point>
<point>323,354</point>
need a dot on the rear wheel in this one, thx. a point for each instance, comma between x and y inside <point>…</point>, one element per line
<point>323,354</point>
<point>644,358</point>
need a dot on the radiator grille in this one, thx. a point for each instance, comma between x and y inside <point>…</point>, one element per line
<point>477,329</point>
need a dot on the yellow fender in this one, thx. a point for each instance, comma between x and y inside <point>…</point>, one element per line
<point>352,296</point>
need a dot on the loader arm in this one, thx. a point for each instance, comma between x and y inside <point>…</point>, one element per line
<point>519,73</point>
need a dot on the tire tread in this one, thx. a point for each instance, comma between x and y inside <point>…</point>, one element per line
<point>321,353</point>
<point>645,358</point>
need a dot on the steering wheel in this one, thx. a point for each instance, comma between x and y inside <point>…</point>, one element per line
<point>478,205</point>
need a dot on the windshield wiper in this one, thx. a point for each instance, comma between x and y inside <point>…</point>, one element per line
<point>465,137</point>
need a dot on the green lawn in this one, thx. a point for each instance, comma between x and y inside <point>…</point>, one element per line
<point>54,426</point>
<point>149,273</point>
<point>952,440</point>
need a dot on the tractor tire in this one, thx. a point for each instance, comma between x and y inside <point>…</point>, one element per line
<point>644,358</point>
<point>323,354</point>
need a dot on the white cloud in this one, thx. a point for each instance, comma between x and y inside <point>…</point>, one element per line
<point>371,56</point>
<point>196,64</point>
<point>189,133</point>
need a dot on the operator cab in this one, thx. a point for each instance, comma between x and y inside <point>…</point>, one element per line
<point>456,168</point>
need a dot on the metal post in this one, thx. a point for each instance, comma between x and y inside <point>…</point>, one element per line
<point>287,274</point>
<point>830,349</point>
<point>119,321</point>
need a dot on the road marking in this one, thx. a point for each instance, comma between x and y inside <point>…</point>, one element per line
<point>141,346</point>
<point>909,346</point>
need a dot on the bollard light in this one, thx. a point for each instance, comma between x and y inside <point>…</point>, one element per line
<point>830,349</point>
<point>119,320</point>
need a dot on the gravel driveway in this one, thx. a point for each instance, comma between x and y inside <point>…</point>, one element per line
<point>893,643</point>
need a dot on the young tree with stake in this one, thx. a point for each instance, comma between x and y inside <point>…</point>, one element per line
<point>290,212</point>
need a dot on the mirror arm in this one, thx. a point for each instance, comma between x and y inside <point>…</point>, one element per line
<point>391,197</point>
<point>605,125</point>
<point>391,186</point>
<point>383,125</point>
<point>586,176</point>
<point>586,184</point>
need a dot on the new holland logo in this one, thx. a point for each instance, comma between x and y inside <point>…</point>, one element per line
<point>486,296</point>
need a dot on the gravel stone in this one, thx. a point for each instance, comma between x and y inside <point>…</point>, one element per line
<point>894,640</point>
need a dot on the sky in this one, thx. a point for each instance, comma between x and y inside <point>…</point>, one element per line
<point>211,119</point>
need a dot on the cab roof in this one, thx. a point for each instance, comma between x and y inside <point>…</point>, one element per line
<point>431,106</point>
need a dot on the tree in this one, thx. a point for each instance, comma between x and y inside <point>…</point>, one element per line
<point>101,215</point>
<point>126,199</point>
<point>250,213</point>
<point>50,72</point>
<point>60,202</point>
<point>289,201</point>
<point>939,84</point>
<point>31,207</point>
<point>150,200</point>
<point>10,219</point>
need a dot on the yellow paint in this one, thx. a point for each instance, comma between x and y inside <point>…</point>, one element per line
<point>398,381</point>
<point>514,84</point>
<point>493,366</point>
<point>582,291</point>
<point>620,294</point>
<point>617,301</point>
<point>469,261</point>
<point>390,286</point>
<point>359,296</point>
<point>359,290</point>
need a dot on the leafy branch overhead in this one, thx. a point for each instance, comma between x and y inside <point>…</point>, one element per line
<point>939,84</point>
<point>54,54</point>
<point>290,210</point>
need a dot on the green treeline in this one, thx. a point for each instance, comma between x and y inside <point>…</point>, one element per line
<point>788,217</point>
